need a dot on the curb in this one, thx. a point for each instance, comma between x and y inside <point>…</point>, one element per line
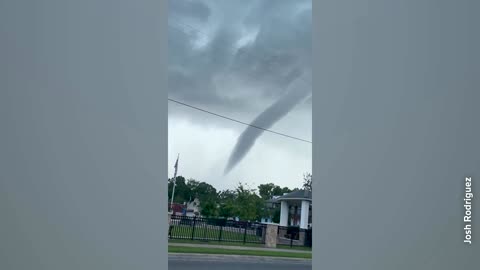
<point>238,248</point>
<point>222,257</point>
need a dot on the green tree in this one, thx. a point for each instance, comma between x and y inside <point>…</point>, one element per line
<point>307,181</point>
<point>203,191</point>
<point>243,201</point>
<point>226,203</point>
<point>181,190</point>
<point>282,191</point>
<point>266,191</point>
<point>187,190</point>
<point>248,204</point>
<point>276,215</point>
<point>209,209</point>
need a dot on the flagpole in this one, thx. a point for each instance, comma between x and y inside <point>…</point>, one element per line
<point>174,184</point>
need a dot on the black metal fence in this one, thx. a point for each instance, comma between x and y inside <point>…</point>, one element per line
<point>214,229</point>
<point>294,236</point>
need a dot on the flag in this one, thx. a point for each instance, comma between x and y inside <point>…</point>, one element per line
<point>176,167</point>
<point>174,183</point>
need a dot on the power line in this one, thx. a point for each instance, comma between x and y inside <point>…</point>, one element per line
<point>240,122</point>
<point>178,27</point>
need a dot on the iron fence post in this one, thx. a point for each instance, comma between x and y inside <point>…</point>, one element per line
<point>205,226</point>
<point>220,235</point>
<point>245,234</point>
<point>264,234</point>
<point>193,228</point>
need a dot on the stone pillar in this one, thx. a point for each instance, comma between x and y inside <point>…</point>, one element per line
<point>301,237</point>
<point>271,236</point>
<point>284,213</point>
<point>304,214</point>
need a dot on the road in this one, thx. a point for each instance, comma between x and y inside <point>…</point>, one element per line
<point>234,262</point>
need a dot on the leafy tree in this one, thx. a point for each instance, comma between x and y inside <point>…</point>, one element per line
<point>307,181</point>
<point>277,191</point>
<point>276,215</point>
<point>226,203</point>
<point>182,191</point>
<point>243,201</point>
<point>226,195</point>
<point>203,191</point>
<point>187,190</point>
<point>248,204</point>
<point>209,209</point>
<point>266,190</point>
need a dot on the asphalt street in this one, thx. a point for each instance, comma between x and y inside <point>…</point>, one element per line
<point>234,262</point>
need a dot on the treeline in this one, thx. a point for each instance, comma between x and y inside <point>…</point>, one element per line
<point>243,202</point>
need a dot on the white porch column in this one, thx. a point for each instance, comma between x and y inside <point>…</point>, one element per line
<point>304,214</point>
<point>284,213</point>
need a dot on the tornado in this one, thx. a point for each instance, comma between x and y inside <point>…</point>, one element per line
<point>297,91</point>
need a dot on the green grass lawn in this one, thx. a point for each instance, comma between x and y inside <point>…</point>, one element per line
<point>212,233</point>
<point>234,244</point>
<point>269,253</point>
<point>295,247</point>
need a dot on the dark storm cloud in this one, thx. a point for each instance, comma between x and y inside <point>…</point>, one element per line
<point>191,72</point>
<point>261,68</point>
<point>191,9</point>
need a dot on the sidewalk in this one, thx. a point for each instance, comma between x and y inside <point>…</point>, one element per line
<point>238,247</point>
<point>232,258</point>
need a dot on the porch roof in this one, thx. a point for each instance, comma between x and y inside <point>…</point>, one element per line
<point>299,195</point>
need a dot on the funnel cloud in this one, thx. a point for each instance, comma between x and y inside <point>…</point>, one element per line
<point>222,55</point>
<point>298,91</point>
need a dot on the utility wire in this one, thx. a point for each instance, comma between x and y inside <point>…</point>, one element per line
<point>240,122</point>
<point>178,27</point>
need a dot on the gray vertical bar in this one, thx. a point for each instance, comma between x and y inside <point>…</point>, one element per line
<point>396,94</point>
<point>82,135</point>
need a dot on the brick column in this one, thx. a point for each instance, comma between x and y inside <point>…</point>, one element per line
<point>271,236</point>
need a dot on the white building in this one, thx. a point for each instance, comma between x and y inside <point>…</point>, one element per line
<point>296,209</point>
<point>193,208</point>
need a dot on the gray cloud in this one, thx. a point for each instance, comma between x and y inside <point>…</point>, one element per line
<point>190,9</point>
<point>221,75</point>
<point>237,59</point>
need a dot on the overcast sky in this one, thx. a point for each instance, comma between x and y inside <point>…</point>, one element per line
<point>237,58</point>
